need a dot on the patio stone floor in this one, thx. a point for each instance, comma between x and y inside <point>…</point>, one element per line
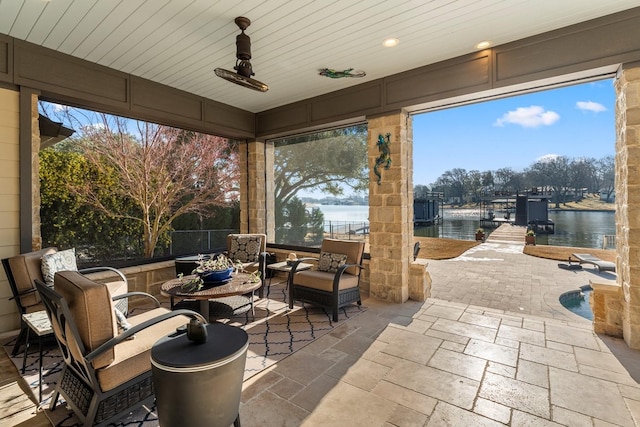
<point>493,346</point>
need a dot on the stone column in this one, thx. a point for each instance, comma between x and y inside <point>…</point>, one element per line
<point>628,198</point>
<point>36,235</point>
<point>391,213</point>
<point>252,187</point>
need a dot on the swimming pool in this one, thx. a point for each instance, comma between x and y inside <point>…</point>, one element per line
<point>578,301</point>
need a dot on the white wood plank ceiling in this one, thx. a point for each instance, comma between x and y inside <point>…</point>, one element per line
<point>180,42</point>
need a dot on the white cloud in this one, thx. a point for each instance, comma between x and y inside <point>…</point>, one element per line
<point>547,158</point>
<point>529,117</point>
<point>591,106</point>
<point>59,107</point>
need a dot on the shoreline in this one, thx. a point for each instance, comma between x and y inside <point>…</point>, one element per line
<point>580,210</point>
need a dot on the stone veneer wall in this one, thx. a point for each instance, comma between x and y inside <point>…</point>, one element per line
<point>252,188</point>
<point>36,236</point>
<point>606,303</point>
<point>9,199</point>
<point>628,199</point>
<point>393,275</point>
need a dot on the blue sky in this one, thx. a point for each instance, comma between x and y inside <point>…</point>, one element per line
<point>575,121</point>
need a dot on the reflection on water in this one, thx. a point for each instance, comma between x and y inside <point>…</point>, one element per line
<point>573,228</point>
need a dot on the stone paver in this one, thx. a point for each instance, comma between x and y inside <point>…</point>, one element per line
<point>492,347</point>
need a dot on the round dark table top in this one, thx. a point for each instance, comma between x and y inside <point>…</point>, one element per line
<point>223,343</point>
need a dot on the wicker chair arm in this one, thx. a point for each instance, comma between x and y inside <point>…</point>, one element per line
<point>156,303</point>
<point>95,269</point>
<point>339,271</point>
<point>137,328</point>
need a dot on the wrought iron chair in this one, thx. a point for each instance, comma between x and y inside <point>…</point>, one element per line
<point>22,270</point>
<point>106,374</point>
<point>335,282</point>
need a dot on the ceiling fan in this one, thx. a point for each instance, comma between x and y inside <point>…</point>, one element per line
<point>243,73</point>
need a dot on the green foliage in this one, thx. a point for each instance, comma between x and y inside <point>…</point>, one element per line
<point>299,226</point>
<point>316,226</point>
<point>213,218</point>
<point>68,221</point>
<point>150,175</point>
<point>296,219</point>
<point>326,161</point>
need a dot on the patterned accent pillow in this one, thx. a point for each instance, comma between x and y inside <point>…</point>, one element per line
<point>245,248</point>
<point>331,262</point>
<point>58,261</point>
<point>121,319</point>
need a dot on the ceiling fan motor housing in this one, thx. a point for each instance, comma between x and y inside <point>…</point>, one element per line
<point>243,67</point>
<point>243,48</point>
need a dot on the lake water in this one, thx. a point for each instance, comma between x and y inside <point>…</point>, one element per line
<point>573,228</point>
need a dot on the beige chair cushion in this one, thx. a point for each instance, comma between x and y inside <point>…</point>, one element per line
<point>117,288</point>
<point>133,357</point>
<point>26,268</point>
<point>92,310</point>
<point>323,280</point>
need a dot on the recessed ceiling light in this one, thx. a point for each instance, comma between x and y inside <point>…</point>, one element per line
<point>483,45</point>
<point>390,42</point>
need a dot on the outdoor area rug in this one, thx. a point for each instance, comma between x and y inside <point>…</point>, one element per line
<point>274,333</point>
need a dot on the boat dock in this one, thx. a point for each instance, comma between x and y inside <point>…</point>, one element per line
<point>508,233</point>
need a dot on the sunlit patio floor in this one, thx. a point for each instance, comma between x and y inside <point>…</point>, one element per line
<point>493,346</point>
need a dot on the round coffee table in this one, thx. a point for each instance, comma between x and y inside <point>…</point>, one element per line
<point>216,301</point>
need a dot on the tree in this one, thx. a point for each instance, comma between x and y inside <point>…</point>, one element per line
<point>165,172</point>
<point>295,217</point>
<point>325,161</point>
<point>316,225</point>
<point>606,178</point>
<point>554,173</point>
<point>421,192</point>
<point>581,173</point>
<point>473,184</point>
<point>487,181</point>
<point>454,183</point>
<point>503,178</point>
<point>68,221</point>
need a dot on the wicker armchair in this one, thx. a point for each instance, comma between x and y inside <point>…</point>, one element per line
<point>106,374</point>
<point>22,270</point>
<point>335,282</point>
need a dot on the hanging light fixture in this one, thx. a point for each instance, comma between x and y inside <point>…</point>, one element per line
<point>243,68</point>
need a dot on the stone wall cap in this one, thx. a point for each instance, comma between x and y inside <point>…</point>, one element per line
<point>603,284</point>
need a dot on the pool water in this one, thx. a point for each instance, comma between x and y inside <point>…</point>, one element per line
<point>578,302</point>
